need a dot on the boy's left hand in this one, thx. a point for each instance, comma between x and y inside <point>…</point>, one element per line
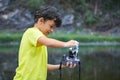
<point>69,65</point>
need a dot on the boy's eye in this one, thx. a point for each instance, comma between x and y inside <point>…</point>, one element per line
<point>52,27</point>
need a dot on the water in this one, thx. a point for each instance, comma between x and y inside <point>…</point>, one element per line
<point>97,63</point>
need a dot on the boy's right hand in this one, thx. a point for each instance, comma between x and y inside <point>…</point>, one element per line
<point>70,43</point>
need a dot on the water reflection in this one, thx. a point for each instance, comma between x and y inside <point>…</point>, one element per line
<point>97,63</point>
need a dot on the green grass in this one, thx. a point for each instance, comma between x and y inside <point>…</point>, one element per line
<point>9,49</point>
<point>86,38</point>
<point>7,38</point>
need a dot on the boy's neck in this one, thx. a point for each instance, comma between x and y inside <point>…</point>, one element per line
<point>36,26</point>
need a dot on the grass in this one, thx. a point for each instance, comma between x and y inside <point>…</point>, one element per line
<point>9,49</point>
<point>7,38</point>
<point>16,37</point>
<point>86,38</point>
<point>10,39</point>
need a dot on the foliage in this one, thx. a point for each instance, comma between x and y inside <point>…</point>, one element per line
<point>111,5</point>
<point>90,18</point>
<point>30,4</point>
<point>34,4</point>
<point>90,10</point>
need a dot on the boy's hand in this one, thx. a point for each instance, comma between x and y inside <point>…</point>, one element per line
<point>69,65</point>
<point>71,43</point>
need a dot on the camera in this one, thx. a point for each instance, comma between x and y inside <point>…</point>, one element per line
<point>72,56</point>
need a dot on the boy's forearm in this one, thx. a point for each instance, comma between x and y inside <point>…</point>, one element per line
<point>51,42</point>
<point>51,67</point>
<point>56,43</point>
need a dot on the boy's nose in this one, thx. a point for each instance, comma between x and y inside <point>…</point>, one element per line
<point>52,30</point>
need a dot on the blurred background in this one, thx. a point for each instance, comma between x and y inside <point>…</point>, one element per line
<point>94,23</point>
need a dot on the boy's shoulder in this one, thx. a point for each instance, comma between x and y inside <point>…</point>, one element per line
<point>33,30</point>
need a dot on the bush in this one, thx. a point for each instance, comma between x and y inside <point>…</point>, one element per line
<point>34,4</point>
<point>90,18</point>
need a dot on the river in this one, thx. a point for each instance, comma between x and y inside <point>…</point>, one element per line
<point>97,63</point>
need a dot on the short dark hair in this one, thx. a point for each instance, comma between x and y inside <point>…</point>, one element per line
<point>48,13</point>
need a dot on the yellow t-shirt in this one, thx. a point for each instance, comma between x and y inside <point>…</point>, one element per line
<point>32,57</point>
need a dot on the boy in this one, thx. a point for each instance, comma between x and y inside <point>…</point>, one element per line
<point>33,51</point>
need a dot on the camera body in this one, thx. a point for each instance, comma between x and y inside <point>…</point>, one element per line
<point>72,57</point>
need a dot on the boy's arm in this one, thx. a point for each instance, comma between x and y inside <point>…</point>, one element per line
<point>55,43</point>
<point>51,67</point>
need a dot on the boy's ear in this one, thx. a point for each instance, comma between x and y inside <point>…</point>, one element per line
<point>41,20</point>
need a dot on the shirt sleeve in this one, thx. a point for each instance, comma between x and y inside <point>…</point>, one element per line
<point>34,35</point>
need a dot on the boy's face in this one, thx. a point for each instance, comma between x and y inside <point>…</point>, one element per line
<point>47,27</point>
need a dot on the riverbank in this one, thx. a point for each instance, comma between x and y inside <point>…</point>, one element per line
<point>16,37</point>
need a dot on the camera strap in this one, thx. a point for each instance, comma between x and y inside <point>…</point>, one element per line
<point>60,70</point>
<point>79,69</point>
